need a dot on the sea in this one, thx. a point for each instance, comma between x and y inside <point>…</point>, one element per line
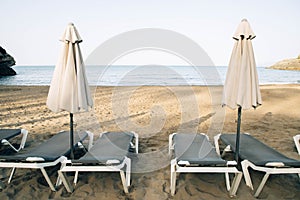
<point>133,75</point>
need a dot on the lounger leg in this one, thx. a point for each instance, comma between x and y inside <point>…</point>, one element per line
<point>261,185</point>
<point>227,181</point>
<point>173,177</point>
<point>235,183</point>
<point>13,170</point>
<point>245,165</point>
<point>76,177</point>
<point>128,171</point>
<point>59,181</point>
<point>65,181</point>
<point>123,179</point>
<point>48,179</point>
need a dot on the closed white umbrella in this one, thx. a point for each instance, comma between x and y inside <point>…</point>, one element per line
<point>69,90</point>
<point>241,88</point>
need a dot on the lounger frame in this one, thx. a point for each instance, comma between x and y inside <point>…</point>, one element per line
<point>24,134</point>
<point>32,165</point>
<point>124,168</point>
<point>273,169</point>
<point>268,169</point>
<point>297,142</point>
<point>176,167</point>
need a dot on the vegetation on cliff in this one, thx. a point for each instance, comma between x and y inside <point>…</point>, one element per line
<point>287,64</point>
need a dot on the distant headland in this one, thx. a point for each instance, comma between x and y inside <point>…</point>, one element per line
<point>6,61</point>
<point>287,64</point>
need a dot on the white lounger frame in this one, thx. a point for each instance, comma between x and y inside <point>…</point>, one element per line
<point>112,166</point>
<point>37,163</point>
<point>270,168</point>
<point>176,168</point>
<point>33,165</point>
<point>24,134</point>
<point>297,142</point>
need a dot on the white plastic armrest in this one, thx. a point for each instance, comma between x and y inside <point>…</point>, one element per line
<point>231,162</point>
<point>35,159</point>
<point>4,142</point>
<point>111,162</point>
<point>183,162</point>
<point>275,164</point>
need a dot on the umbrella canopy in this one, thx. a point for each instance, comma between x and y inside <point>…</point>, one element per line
<point>241,88</point>
<point>69,90</point>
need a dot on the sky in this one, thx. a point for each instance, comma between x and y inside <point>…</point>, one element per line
<point>31,29</point>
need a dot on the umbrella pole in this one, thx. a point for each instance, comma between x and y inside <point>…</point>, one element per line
<point>238,130</point>
<point>71,136</point>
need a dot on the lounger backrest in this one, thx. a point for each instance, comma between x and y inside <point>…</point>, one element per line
<point>9,133</point>
<point>110,146</point>
<point>195,148</point>
<point>257,152</point>
<point>58,145</point>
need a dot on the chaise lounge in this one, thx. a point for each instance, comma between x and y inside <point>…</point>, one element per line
<point>108,154</point>
<point>259,157</point>
<point>47,154</point>
<point>195,154</point>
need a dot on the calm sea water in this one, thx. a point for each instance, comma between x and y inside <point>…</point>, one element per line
<point>147,75</point>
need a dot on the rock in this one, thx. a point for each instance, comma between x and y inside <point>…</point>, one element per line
<point>7,71</point>
<point>6,61</point>
<point>288,64</point>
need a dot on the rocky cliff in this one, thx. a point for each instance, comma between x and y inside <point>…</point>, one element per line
<point>6,61</point>
<point>288,64</point>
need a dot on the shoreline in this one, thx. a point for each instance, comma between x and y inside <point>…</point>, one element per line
<point>154,112</point>
<point>131,76</point>
<point>104,86</point>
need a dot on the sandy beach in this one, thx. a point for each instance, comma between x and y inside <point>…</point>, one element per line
<point>153,112</point>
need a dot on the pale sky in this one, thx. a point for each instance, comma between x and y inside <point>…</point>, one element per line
<point>30,29</point>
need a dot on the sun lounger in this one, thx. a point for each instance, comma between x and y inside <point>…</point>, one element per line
<point>6,134</point>
<point>260,157</point>
<point>47,154</point>
<point>297,142</point>
<point>195,154</point>
<point>108,154</point>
